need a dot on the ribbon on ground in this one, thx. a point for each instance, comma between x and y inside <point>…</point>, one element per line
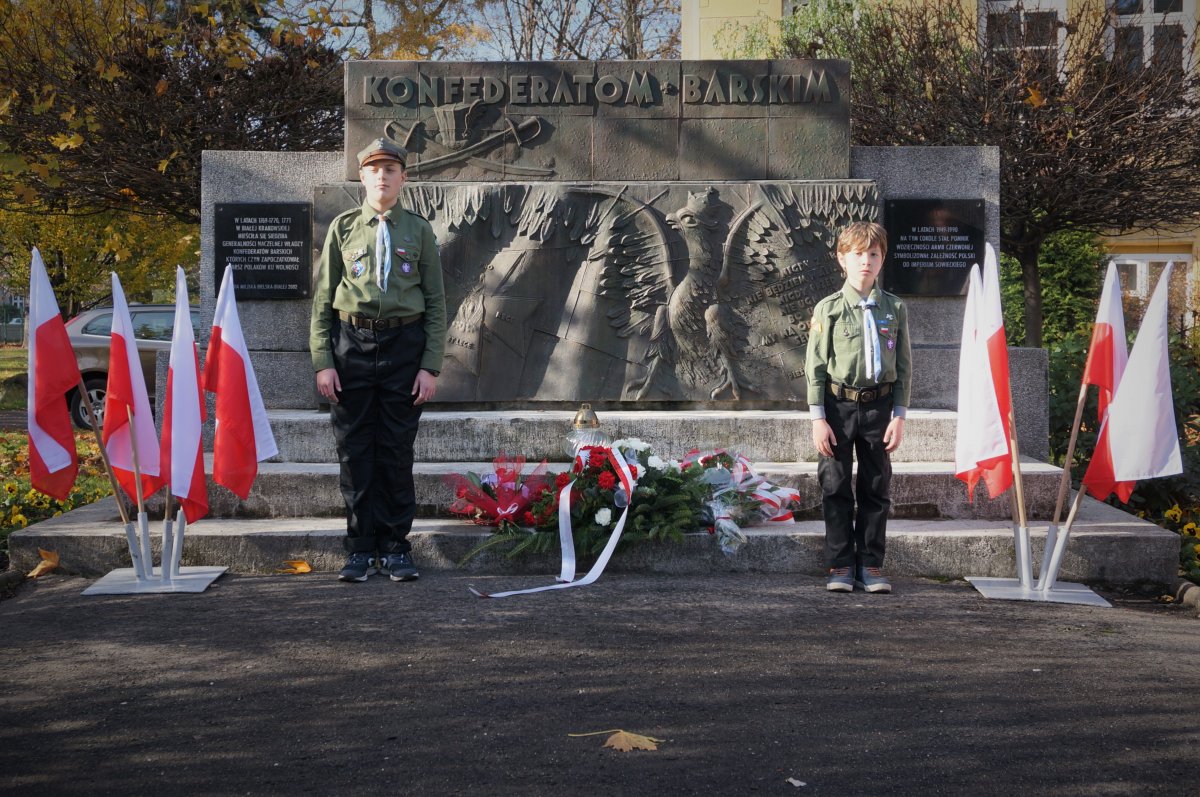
<point>566,534</point>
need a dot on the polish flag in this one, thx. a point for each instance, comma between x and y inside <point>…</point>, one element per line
<point>53,464</point>
<point>183,414</point>
<point>981,449</point>
<point>1139,439</point>
<point>127,396</point>
<point>243,433</point>
<point>1107,354</point>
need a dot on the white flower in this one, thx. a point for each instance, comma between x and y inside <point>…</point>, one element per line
<point>675,465</point>
<point>604,517</point>
<point>631,443</point>
<point>655,462</point>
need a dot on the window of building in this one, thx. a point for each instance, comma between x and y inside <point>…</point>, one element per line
<point>1032,25</point>
<point>1164,26</point>
<point>1127,46</point>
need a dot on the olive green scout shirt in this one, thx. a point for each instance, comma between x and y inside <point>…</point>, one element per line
<point>835,347</point>
<point>346,280</point>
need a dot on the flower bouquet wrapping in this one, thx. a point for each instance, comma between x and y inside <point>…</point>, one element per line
<point>500,498</point>
<point>623,487</point>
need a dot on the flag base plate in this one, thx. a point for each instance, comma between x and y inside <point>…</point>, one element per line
<point>124,581</point>
<point>1011,589</point>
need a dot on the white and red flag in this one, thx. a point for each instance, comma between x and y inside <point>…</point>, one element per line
<point>983,448</point>
<point>1107,353</point>
<point>1139,438</point>
<point>243,433</point>
<point>127,414</point>
<point>53,464</point>
<point>183,414</point>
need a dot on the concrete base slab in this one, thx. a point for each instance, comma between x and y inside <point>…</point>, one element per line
<point>1106,546</point>
<point>1011,589</point>
<point>124,581</point>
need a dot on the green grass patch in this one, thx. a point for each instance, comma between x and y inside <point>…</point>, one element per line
<point>14,361</point>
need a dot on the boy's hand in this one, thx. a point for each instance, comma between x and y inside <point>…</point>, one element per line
<point>328,384</point>
<point>425,387</point>
<point>823,437</point>
<point>893,435</point>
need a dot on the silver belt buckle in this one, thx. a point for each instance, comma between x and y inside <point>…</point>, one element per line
<point>868,395</point>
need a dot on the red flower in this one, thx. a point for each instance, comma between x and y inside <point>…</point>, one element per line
<point>633,471</point>
<point>529,519</point>
<point>597,458</point>
<point>578,466</point>
<point>606,480</point>
<point>560,481</point>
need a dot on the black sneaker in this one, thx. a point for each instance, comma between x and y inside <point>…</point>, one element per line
<point>358,567</point>
<point>400,567</point>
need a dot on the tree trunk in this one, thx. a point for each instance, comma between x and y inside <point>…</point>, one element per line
<point>368,19</point>
<point>1027,256</point>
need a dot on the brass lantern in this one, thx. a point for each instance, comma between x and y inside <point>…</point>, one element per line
<point>586,431</point>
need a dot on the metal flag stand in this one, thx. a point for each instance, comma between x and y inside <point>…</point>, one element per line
<point>1047,589</point>
<point>140,579</point>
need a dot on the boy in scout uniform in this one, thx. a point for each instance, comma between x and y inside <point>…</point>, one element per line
<point>858,369</point>
<point>377,336</point>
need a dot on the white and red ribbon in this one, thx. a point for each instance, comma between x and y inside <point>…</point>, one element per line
<point>566,534</point>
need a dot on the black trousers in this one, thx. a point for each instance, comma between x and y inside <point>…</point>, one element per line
<point>375,425</point>
<point>856,537</point>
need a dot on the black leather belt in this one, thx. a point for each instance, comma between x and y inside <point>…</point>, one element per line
<point>859,394</point>
<point>362,322</point>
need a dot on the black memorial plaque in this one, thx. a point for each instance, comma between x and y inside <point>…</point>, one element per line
<point>269,246</point>
<point>932,244</point>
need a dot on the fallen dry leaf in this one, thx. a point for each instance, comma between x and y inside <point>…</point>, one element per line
<point>295,566</point>
<point>49,562</point>
<point>624,740</point>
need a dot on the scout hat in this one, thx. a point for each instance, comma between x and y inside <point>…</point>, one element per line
<point>382,149</point>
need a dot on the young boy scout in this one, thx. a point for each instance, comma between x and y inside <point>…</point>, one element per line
<point>377,336</point>
<point>858,368</point>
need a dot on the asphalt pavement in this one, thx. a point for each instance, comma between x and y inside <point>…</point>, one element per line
<point>757,684</point>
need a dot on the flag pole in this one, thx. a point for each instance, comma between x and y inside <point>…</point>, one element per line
<point>1050,572</point>
<point>143,521</point>
<point>1064,487</point>
<point>177,548</point>
<point>130,536</point>
<point>1021,532</point>
<point>168,544</point>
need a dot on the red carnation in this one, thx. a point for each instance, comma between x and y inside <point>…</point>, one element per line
<point>633,471</point>
<point>561,480</point>
<point>597,458</point>
<point>606,480</point>
<point>529,519</point>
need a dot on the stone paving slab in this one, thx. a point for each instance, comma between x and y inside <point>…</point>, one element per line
<point>1107,546</point>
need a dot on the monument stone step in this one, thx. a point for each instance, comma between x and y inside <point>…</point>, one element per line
<point>919,490</point>
<point>759,435</point>
<point>1106,545</point>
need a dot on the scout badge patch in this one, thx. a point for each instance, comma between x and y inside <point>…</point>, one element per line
<point>357,267</point>
<point>405,266</point>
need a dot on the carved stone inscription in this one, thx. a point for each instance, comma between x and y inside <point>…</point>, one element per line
<point>932,245</point>
<point>633,291</point>
<point>600,120</point>
<point>268,244</point>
